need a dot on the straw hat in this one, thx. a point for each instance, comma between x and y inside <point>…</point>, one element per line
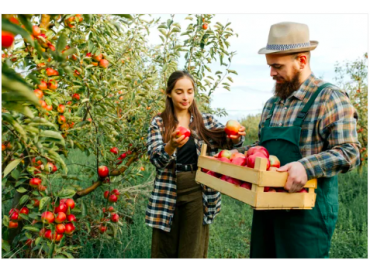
<point>288,37</point>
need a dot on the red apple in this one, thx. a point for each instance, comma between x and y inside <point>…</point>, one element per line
<point>104,63</point>
<point>60,217</point>
<point>274,161</point>
<point>36,203</point>
<point>61,119</point>
<point>102,228</point>
<point>303,191</point>
<point>7,40</point>
<point>236,155</point>
<point>232,127</point>
<point>214,174</point>
<point>98,57</point>
<point>240,161</point>
<point>61,208</point>
<point>47,217</point>
<point>61,108</point>
<point>47,234</point>
<point>36,31</point>
<point>38,93</point>
<point>246,185</point>
<point>233,181</point>
<point>76,96</point>
<point>112,198</point>
<point>103,171</point>
<point>88,54</point>
<point>43,85</point>
<point>114,218</point>
<point>29,242</point>
<point>224,153</point>
<point>24,210</point>
<point>51,72</point>
<point>71,218</point>
<point>251,160</point>
<point>224,159</point>
<point>106,194</point>
<point>182,131</point>
<point>116,192</point>
<point>34,182</point>
<point>260,149</point>
<point>70,203</point>
<point>110,209</point>
<point>123,155</point>
<point>70,228</point>
<point>114,150</point>
<point>14,216</point>
<point>266,189</point>
<point>271,190</point>
<point>52,84</point>
<point>13,225</point>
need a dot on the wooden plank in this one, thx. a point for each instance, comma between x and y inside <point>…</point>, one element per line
<point>280,200</point>
<point>278,179</point>
<point>232,190</point>
<point>241,173</point>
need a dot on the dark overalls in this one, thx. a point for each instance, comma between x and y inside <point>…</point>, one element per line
<point>294,233</point>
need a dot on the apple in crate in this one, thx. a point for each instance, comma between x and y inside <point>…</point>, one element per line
<point>224,159</point>
<point>272,190</point>
<point>246,185</point>
<point>252,158</point>
<point>237,155</point>
<point>233,181</point>
<point>224,153</point>
<point>214,174</point>
<point>274,161</point>
<point>240,161</point>
<point>256,149</point>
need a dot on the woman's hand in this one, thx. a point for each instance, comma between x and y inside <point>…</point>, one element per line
<point>175,143</point>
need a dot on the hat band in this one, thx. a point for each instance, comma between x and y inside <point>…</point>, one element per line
<point>285,47</point>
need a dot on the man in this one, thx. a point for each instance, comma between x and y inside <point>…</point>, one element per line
<point>310,126</point>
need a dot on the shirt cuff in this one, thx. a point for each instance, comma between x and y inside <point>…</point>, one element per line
<point>312,166</point>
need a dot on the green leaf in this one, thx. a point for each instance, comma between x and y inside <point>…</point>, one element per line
<point>230,79</point>
<point>66,193</point>
<point>31,228</point>
<point>21,190</point>
<point>53,134</point>
<point>62,42</point>
<point>43,202</point>
<point>5,245</point>
<point>232,71</point>
<point>23,199</point>
<point>38,240</point>
<point>18,107</point>
<point>5,220</point>
<point>15,86</point>
<point>15,174</point>
<point>12,165</point>
<point>127,16</point>
<point>69,52</point>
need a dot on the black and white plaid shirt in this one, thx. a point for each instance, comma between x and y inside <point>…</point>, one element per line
<point>161,207</point>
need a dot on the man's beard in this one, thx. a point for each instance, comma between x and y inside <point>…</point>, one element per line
<point>285,89</point>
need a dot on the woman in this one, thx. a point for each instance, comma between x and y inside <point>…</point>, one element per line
<point>179,209</point>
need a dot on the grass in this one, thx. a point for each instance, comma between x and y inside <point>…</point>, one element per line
<point>230,233</point>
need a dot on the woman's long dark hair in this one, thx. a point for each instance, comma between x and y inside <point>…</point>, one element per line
<point>170,120</point>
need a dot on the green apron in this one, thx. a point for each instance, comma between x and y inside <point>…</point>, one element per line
<point>294,233</point>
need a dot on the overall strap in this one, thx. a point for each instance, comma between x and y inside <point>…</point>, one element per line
<point>269,116</point>
<point>302,115</point>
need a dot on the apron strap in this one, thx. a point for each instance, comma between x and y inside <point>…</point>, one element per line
<point>302,115</point>
<point>269,116</point>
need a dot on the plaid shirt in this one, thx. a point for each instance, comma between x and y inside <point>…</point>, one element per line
<point>328,141</point>
<point>161,207</point>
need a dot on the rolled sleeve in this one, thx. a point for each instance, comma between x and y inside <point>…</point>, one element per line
<point>157,155</point>
<point>338,129</point>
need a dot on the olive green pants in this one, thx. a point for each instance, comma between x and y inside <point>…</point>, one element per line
<point>188,237</point>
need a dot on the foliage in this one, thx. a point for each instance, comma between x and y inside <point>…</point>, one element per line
<point>88,82</point>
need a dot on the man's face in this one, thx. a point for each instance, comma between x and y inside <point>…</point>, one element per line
<point>284,69</point>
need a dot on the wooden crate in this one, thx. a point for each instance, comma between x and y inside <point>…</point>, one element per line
<point>259,178</point>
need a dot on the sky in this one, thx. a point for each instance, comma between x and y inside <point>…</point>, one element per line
<point>341,37</point>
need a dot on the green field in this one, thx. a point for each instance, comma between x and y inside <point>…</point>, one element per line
<point>230,233</point>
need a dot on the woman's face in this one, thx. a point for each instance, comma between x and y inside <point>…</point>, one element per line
<point>182,94</point>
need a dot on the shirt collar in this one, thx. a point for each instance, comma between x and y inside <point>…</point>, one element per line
<point>304,88</point>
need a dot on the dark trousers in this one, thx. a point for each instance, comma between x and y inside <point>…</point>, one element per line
<point>188,237</point>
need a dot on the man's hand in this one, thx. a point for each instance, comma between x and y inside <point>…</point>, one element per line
<point>297,176</point>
